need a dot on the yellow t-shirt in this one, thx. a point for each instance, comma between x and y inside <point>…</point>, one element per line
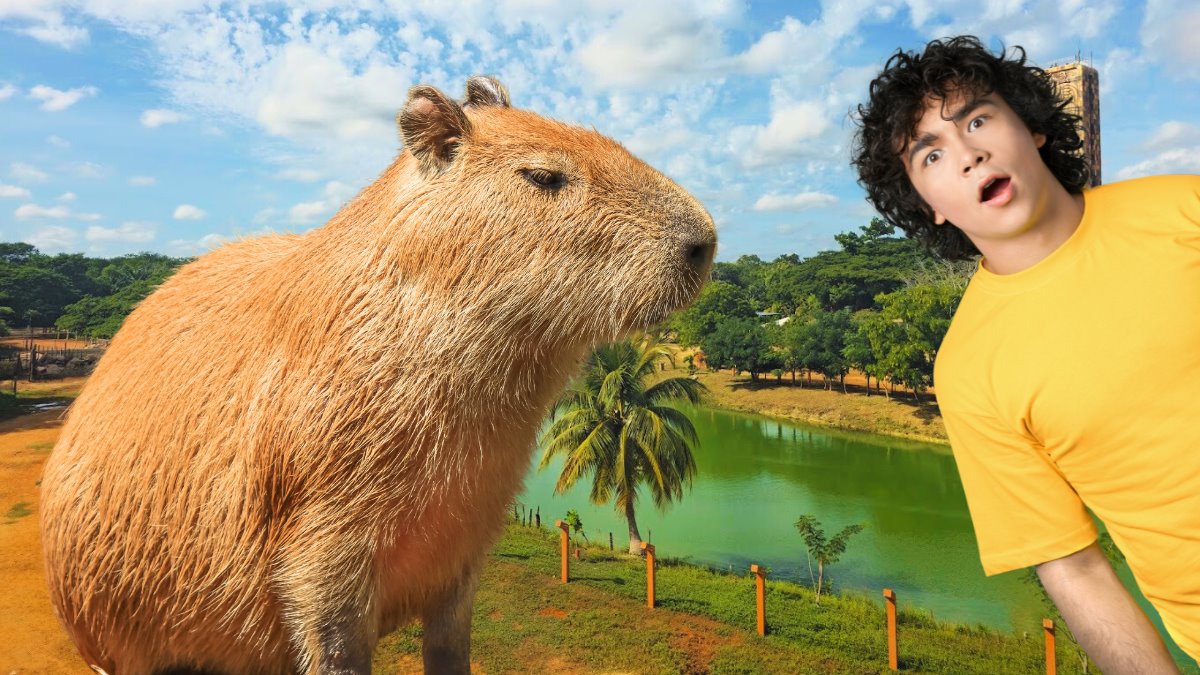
<point>1076,383</point>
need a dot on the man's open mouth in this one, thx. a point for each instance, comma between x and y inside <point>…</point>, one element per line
<point>994,189</point>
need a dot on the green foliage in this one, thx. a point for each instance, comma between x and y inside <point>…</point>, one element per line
<point>909,329</point>
<point>18,510</point>
<point>101,317</point>
<point>616,427</point>
<point>741,344</point>
<point>519,623</point>
<point>74,292</point>
<point>824,551</point>
<point>719,300</point>
<point>575,522</point>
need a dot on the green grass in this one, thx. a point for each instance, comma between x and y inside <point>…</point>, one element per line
<point>526,621</point>
<point>18,510</point>
<point>41,447</point>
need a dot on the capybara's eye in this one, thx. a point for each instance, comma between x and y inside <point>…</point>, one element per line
<point>545,178</point>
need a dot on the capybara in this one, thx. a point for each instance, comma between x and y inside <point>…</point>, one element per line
<point>300,442</point>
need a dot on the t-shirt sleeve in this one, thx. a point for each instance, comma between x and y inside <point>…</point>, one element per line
<point>1024,511</point>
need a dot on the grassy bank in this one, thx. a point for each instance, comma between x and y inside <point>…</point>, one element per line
<point>32,396</point>
<point>900,415</point>
<point>526,621</point>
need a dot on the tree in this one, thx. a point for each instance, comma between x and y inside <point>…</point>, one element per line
<point>824,551</point>
<point>718,301</point>
<point>920,315</point>
<point>741,344</point>
<point>575,523</point>
<point>615,427</point>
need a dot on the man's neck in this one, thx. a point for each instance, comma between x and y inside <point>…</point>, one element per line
<point>1053,227</point>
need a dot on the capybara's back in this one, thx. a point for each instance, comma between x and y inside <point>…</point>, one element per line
<point>300,442</point>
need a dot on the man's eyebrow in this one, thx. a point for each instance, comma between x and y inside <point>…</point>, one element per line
<point>923,141</point>
<point>927,139</point>
<point>969,108</point>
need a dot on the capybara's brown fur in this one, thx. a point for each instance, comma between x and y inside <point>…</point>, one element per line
<point>301,442</point>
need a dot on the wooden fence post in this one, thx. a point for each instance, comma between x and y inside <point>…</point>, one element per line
<point>889,597</point>
<point>760,594</point>
<point>1051,657</point>
<point>649,549</point>
<point>564,544</point>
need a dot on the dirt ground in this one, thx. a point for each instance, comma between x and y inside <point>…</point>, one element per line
<point>47,343</point>
<point>34,642</point>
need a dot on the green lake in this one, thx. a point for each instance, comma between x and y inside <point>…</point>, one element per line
<point>757,475</point>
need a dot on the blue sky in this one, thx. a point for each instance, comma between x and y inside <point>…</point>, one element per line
<point>173,125</point>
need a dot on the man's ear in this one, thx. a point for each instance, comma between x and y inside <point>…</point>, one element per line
<point>432,127</point>
<point>1039,140</point>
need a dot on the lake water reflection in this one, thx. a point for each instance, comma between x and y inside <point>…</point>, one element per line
<point>757,475</point>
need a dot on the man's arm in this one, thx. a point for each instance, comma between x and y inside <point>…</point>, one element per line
<point>1103,616</point>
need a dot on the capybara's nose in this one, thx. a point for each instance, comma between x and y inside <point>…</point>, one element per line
<point>700,255</point>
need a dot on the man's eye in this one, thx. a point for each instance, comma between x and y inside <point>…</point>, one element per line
<point>545,178</point>
<point>932,157</point>
<point>977,122</point>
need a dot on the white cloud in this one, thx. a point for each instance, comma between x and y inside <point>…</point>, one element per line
<point>14,191</point>
<point>796,202</point>
<point>66,197</point>
<point>53,238</point>
<point>1179,160</point>
<point>58,142</point>
<point>6,91</point>
<point>131,231</point>
<point>347,105</point>
<point>1169,30</point>
<point>27,173</point>
<point>266,215</point>
<point>306,213</point>
<point>89,217</point>
<point>299,175</point>
<point>142,181</point>
<point>189,212</point>
<point>1172,134</point>
<point>89,169</point>
<point>156,117</point>
<point>58,33</point>
<point>335,195</point>
<point>788,136</point>
<point>33,211</point>
<point>54,100</point>
<point>1042,27</point>
<point>197,246</point>
<point>652,43</point>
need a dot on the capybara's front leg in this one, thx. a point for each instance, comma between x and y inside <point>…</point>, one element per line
<point>325,602</point>
<point>446,646</point>
<point>342,648</point>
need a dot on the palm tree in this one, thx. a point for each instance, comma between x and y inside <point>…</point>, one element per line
<point>611,425</point>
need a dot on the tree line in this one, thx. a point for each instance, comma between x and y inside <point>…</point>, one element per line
<point>878,304</point>
<point>71,291</point>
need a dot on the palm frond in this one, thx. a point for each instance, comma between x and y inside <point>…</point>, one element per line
<point>675,388</point>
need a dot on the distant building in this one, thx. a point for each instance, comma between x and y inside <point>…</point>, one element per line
<point>1081,84</point>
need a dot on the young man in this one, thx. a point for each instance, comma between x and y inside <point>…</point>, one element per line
<point>1069,380</point>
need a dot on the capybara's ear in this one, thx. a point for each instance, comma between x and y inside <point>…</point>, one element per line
<point>483,90</point>
<point>432,127</point>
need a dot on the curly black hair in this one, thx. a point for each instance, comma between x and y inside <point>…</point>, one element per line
<point>948,68</point>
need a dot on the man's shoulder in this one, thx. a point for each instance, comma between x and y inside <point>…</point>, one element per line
<point>1172,187</point>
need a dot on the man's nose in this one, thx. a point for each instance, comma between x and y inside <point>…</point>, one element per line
<point>972,159</point>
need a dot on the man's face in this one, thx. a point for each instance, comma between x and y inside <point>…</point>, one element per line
<point>980,169</point>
